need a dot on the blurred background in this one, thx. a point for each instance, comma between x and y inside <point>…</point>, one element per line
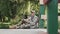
<point>13,11</point>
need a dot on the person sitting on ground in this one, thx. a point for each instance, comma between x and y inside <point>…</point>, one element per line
<point>32,20</point>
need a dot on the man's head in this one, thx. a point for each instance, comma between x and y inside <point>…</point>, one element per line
<point>32,12</point>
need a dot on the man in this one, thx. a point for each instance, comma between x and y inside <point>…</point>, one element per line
<point>32,20</point>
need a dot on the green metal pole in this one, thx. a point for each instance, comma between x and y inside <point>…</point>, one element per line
<point>42,12</point>
<point>52,17</point>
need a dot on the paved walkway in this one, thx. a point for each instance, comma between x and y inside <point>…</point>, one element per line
<point>23,31</point>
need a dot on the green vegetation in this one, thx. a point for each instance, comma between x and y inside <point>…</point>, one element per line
<point>12,11</point>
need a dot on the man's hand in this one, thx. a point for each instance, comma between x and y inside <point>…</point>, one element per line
<point>26,20</point>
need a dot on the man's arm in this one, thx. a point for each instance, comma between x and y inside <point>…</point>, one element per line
<point>27,20</point>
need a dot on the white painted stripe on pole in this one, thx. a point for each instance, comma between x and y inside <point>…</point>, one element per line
<point>58,7</point>
<point>41,2</point>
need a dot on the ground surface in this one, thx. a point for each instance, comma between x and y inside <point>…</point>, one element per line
<point>23,31</point>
